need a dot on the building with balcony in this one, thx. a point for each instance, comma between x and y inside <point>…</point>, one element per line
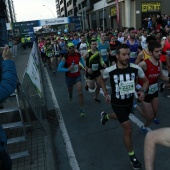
<point>103,13</point>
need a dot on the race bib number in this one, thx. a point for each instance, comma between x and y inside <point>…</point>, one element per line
<point>56,52</point>
<point>74,69</point>
<point>153,88</point>
<point>133,54</point>
<point>103,52</point>
<point>127,87</point>
<point>95,67</point>
<point>50,54</point>
<point>113,52</point>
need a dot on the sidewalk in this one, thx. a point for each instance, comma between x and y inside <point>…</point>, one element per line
<point>38,142</point>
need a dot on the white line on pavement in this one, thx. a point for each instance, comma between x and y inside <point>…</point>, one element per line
<point>71,156</point>
<point>132,117</point>
<point>135,120</point>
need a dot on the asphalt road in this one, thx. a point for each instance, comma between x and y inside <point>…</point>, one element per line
<point>83,143</point>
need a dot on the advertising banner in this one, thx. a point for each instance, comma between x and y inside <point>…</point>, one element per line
<point>33,71</point>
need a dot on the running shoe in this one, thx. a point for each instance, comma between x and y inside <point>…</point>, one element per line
<point>156,121</point>
<point>82,113</point>
<point>97,100</point>
<point>104,119</point>
<point>135,163</point>
<point>144,130</point>
<point>161,89</point>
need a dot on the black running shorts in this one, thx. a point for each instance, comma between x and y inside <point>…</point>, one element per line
<point>122,112</point>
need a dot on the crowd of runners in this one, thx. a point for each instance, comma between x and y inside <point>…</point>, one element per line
<point>132,60</point>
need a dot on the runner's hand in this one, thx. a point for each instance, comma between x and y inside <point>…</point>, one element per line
<point>70,68</point>
<point>107,98</point>
<point>6,54</point>
<point>141,95</point>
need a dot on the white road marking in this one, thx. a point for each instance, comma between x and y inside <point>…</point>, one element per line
<point>135,120</point>
<point>70,152</point>
<point>132,117</point>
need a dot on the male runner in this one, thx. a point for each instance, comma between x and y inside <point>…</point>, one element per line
<point>123,76</point>
<point>70,65</point>
<point>93,59</point>
<point>153,71</point>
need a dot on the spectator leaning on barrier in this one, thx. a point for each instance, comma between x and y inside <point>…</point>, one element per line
<point>8,84</point>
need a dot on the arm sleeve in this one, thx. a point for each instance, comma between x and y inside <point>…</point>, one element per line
<point>61,67</point>
<point>9,79</point>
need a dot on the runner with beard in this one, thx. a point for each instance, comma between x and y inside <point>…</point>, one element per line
<point>123,76</point>
<point>132,42</point>
<point>153,71</point>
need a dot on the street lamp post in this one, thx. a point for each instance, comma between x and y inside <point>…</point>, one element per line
<point>50,11</point>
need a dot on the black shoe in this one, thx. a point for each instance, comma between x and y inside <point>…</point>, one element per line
<point>135,163</point>
<point>161,89</point>
<point>97,100</point>
<point>103,118</point>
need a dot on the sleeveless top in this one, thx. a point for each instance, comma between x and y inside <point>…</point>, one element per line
<point>69,60</point>
<point>152,72</point>
<point>103,48</point>
<point>133,51</point>
<point>165,50</point>
<point>93,62</point>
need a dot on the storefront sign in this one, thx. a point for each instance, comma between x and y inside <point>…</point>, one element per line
<point>113,11</point>
<point>151,6</point>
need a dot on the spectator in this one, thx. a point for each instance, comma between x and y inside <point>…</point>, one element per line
<point>8,84</point>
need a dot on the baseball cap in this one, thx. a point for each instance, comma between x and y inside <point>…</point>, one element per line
<point>70,45</point>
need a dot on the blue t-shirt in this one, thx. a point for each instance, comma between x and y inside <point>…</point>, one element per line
<point>103,48</point>
<point>75,42</point>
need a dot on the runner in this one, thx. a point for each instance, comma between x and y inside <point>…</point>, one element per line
<point>103,47</point>
<point>153,71</point>
<point>70,65</point>
<point>93,59</point>
<point>132,42</point>
<point>112,55</point>
<point>144,54</point>
<point>123,76</point>
<point>82,46</point>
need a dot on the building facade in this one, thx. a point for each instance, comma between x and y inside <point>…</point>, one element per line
<point>10,11</point>
<point>103,13</point>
